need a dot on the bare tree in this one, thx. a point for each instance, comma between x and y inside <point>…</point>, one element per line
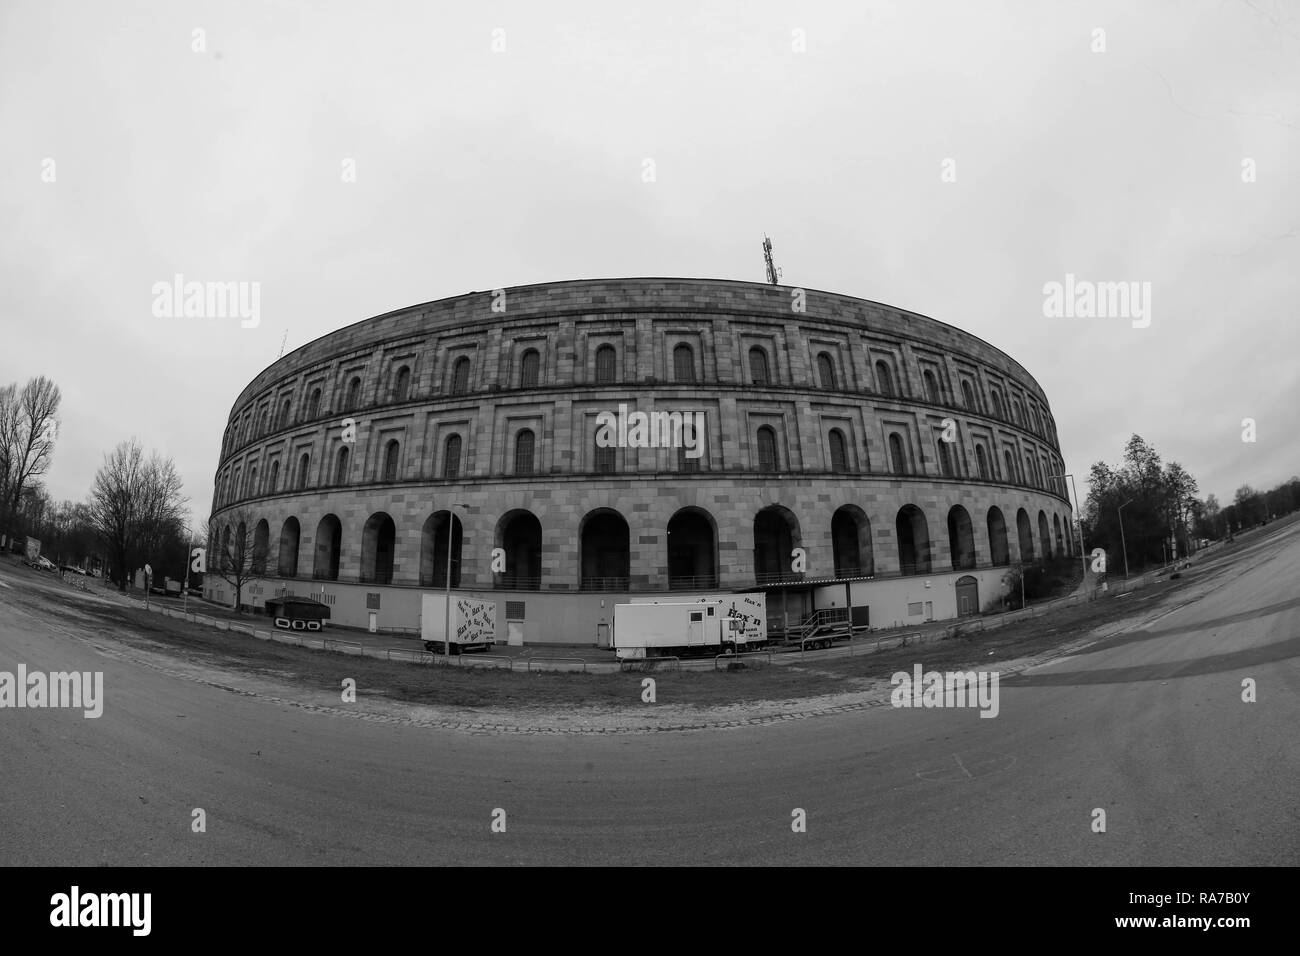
<point>135,505</point>
<point>234,553</point>
<point>28,427</point>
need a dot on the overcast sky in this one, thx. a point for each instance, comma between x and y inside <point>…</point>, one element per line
<point>478,169</point>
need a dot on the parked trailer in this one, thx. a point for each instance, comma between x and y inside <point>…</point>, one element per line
<point>673,630</point>
<point>749,609</point>
<point>298,613</point>
<point>473,623</point>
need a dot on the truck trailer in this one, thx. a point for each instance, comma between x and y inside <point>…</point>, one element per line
<point>673,630</point>
<point>473,623</point>
<point>750,609</point>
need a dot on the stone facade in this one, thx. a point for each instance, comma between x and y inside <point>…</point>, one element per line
<point>889,383</point>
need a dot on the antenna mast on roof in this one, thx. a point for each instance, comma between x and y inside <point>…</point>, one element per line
<point>773,273</point>
<point>283,339</point>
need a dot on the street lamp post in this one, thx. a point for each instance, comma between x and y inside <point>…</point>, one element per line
<point>185,601</point>
<point>1083,550</point>
<point>446,625</point>
<point>1122,543</point>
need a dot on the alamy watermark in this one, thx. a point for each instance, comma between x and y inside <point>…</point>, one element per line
<point>74,689</point>
<point>75,908</point>
<point>651,430</point>
<point>1082,299</point>
<point>208,300</point>
<point>951,689</point>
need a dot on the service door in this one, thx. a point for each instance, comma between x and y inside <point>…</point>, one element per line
<point>695,629</point>
<point>968,596</point>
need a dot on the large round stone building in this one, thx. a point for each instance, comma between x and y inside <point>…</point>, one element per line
<point>851,453</point>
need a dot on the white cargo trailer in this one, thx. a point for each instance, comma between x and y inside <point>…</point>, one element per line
<point>473,623</point>
<point>750,610</point>
<point>664,630</point>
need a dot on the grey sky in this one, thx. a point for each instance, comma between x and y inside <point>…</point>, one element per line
<point>477,170</point>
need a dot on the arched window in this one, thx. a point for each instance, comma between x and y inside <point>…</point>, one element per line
<point>303,463</point>
<point>997,404</point>
<point>604,459</point>
<point>354,394</point>
<point>898,459</point>
<point>968,395</point>
<point>262,422</point>
<point>402,387</point>
<point>529,368</point>
<point>931,387</point>
<point>284,414</point>
<point>767,460</point>
<point>391,452</point>
<point>1011,468</point>
<point>945,459</point>
<point>524,453</point>
<point>884,380</point>
<point>606,359</point>
<point>341,467</point>
<point>262,544</point>
<point>825,370</point>
<point>252,482</point>
<point>313,404</point>
<point>981,461</point>
<point>683,363</point>
<point>273,482</point>
<point>839,452</point>
<point>759,373</point>
<point>460,376</point>
<point>451,457</point>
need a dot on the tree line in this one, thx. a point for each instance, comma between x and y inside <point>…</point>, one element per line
<point>1149,509</point>
<point>135,512</point>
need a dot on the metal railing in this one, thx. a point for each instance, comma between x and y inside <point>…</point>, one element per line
<point>692,582</point>
<point>614,583</point>
<point>436,580</point>
<point>515,582</point>
<point>741,658</point>
<point>778,577</point>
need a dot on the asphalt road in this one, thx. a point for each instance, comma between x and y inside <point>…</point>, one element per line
<point>1148,726</point>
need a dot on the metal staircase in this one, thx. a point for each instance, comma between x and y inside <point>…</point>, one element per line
<point>820,628</point>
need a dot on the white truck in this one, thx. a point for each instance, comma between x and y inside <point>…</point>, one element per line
<point>473,623</point>
<point>666,629</point>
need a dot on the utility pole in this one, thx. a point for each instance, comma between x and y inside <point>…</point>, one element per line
<point>185,601</point>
